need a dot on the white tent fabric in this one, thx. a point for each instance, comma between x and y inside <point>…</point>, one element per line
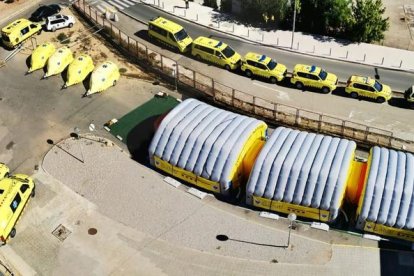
<point>302,168</point>
<point>202,139</point>
<point>389,191</point>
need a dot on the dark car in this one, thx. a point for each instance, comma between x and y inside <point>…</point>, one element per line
<point>44,11</point>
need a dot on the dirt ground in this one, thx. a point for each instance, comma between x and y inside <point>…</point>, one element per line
<point>79,38</point>
<point>399,35</point>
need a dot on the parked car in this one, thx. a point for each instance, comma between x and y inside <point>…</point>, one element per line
<point>170,34</point>
<point>217,52</point>
<point>4,171</point>
<point>367,87</point>
<point>263,66</point>
<point>313,76</point>
<point>18,31</point>
<point>58,22</point>
<point>45,11</point>
<point>16,192</point>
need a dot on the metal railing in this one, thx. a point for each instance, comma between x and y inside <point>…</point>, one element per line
<point>272,112</point>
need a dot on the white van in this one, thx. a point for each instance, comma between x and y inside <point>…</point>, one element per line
<point>59,21</point>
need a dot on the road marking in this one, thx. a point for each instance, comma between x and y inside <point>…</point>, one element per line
<point>281,95</point>
<point>101,9</point>
<point>93,2</point>
<point>129,2</point>
<point>108,7</point>
<point>120,3</point>
<point>116,5</point>
<point>370,120</point>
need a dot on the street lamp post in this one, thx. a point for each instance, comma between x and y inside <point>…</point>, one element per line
<point>291,218</point>
<point>294,23</point>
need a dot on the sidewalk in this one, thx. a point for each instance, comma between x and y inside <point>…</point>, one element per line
<point>321,46</point>
<point>156,227</point>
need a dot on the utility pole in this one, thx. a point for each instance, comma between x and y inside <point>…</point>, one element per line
<point>294,23</point>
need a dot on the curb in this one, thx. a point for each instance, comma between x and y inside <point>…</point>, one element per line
<point>273,46</point>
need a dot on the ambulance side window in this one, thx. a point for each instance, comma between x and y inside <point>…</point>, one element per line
<point>15,203</point>
<point>24,31</point>
<point>24,188</point>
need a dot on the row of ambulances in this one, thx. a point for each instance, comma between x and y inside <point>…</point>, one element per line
<point>252,64</point>
<point>15,192</point>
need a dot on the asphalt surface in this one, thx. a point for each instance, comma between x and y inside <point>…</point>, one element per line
<point>398,80</point>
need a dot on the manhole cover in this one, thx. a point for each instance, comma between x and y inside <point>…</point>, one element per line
<point>61,232</point>
<point>92,231</point>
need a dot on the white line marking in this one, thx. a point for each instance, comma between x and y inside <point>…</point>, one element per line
<point>129,3</point>
<point>109,7</point>
<point>120,2</point>
<point>93,2</point>
<point>281,95</point>
<point>116,5</point>
<point>102,9</point>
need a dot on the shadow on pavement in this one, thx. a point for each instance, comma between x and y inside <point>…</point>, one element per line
<point>224,238</point>
<point>139,139</point>
<point>396,259</point>
<point>399,102</point>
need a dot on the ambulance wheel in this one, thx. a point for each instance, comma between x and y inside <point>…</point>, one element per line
<point>33,193</point>
<point>380,100</point>
<point>326,90</point>
<point>13,232</point>
<point>70,25</point>
<point>354,95</point>
<point>39,32</point>
<point>114,83</point>
<point>227,67</point>
<point>249,73</point>
<point>273,80</point>
<point>198,57</point>
<point>412,105</point>
<point>299,85</point>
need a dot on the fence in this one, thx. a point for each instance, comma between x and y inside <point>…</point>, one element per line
<point>270,111</point>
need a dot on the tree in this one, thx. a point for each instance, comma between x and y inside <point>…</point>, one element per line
<point>265,10</point>
<point>338,16</point>
<point>210,3</point>
<point>325,16</point>
<point>368,22</point>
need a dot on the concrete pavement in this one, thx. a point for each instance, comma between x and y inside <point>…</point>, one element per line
<point>145,226</point>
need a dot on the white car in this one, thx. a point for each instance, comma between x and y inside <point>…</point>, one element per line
<point>59,21</point>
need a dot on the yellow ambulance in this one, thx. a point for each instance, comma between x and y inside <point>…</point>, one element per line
<point>15,192</point>
<point>263,66</point>
<point>367,87</point>
<point>4,171</point>
<point>217,52</point>
<point>313,76</point>
<point>170,34</point>
<point>18,31</point>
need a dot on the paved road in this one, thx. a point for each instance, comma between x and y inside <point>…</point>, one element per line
<point>397,80</point>
<point>392,116</point>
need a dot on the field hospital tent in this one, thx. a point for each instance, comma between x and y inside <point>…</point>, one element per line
<point>386,206</point>
<point>205,145</point>
<point>301,172</point>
